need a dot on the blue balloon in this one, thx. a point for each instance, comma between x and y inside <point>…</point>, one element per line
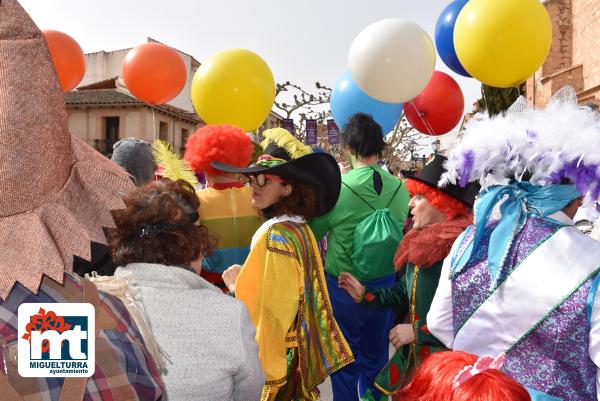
<point>348,99</point>
<point>444,37</point>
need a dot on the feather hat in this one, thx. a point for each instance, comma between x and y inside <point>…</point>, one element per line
<point>287,157</point>
<point>523,159</point>
<point>541,146</point>
<point>430,175</point>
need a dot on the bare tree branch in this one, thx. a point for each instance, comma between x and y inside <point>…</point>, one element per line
<point>402,143</point>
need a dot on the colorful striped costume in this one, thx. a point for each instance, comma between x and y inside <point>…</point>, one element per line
<point>283,285</point>
<point>229,215</point>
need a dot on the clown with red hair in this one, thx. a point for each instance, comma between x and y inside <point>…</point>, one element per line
<point>226,203</point>
<point>439,216</point>
<point>460,376</point>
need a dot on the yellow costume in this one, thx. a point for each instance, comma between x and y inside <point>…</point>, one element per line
<point>283,285</point>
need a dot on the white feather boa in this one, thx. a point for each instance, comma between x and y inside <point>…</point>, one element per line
<point>129,295</point>
<point>542,142</point>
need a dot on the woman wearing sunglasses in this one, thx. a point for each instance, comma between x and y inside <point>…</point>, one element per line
<point>282,281</point>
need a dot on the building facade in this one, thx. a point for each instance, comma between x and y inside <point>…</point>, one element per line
<point>104,112</point>
<point>101,110</point>
<point>105,65</point>
<point>574,57</point>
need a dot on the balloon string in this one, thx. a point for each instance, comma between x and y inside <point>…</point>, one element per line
<point>425,123</point>
<point>397,125</point>
<point>518,90</point>
<point>153,125</point>
<point>485,100</point>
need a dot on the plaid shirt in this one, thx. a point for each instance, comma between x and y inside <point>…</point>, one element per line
<point>124,369</point>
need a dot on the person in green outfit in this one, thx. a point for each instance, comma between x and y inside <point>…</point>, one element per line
<point>440,215</point>
<point>369,195</point>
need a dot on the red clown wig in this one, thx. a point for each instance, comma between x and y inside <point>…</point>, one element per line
<point>443,202</point>
<point>433,380</point>
<point>224,143</point>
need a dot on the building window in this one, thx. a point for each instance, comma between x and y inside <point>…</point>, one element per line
<point>185,133</point>
<point>111,134</point>
<point>163,131</point>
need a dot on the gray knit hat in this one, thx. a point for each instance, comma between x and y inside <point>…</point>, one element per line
<point>135,156</point>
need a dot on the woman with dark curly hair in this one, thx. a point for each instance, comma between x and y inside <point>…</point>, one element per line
<point>206,336</point>
<point>282,281</point>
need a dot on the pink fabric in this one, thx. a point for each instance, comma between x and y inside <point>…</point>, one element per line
<point>480,366</point>
<point>429,245</point>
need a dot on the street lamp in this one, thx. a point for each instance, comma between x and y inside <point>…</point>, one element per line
<point>412,146</point>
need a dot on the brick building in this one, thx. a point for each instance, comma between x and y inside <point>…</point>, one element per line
<point>574,57</point>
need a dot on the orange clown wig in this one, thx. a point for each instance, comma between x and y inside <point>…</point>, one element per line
<point>223,143</point>
<point>436,379</point>
<point>443,202</point>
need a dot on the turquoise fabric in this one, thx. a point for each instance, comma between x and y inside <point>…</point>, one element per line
<point>222,258</point>
<point>537,396</point>
<point>519,201</point>
<point>590,300</point>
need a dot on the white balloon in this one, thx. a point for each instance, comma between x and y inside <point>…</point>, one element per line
<point>392,60</point>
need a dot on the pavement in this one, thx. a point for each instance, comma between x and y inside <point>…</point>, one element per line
<point>325,388</point>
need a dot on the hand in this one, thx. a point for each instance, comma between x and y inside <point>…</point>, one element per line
<point>351,285</point>
<point>230,275</point>
<point>344,167</point>
<point>402,334</point>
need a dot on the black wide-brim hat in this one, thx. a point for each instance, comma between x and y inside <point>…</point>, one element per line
<point>319,170</point>
<point>431,175</point>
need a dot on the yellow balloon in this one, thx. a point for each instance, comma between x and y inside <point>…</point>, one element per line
<point>502,42</point>
<point>234,87</point>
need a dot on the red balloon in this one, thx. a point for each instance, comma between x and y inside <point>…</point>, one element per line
<point>438,108</point>
<point>154,73</point>
<point>67,57</point>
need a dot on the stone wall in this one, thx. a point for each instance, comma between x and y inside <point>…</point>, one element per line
<point>574,57</point>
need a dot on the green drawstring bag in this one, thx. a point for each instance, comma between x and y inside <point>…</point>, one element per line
<point>375,241</point>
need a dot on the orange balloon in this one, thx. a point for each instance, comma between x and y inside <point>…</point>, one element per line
<point>68,58</point>
<point>154,73</point>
